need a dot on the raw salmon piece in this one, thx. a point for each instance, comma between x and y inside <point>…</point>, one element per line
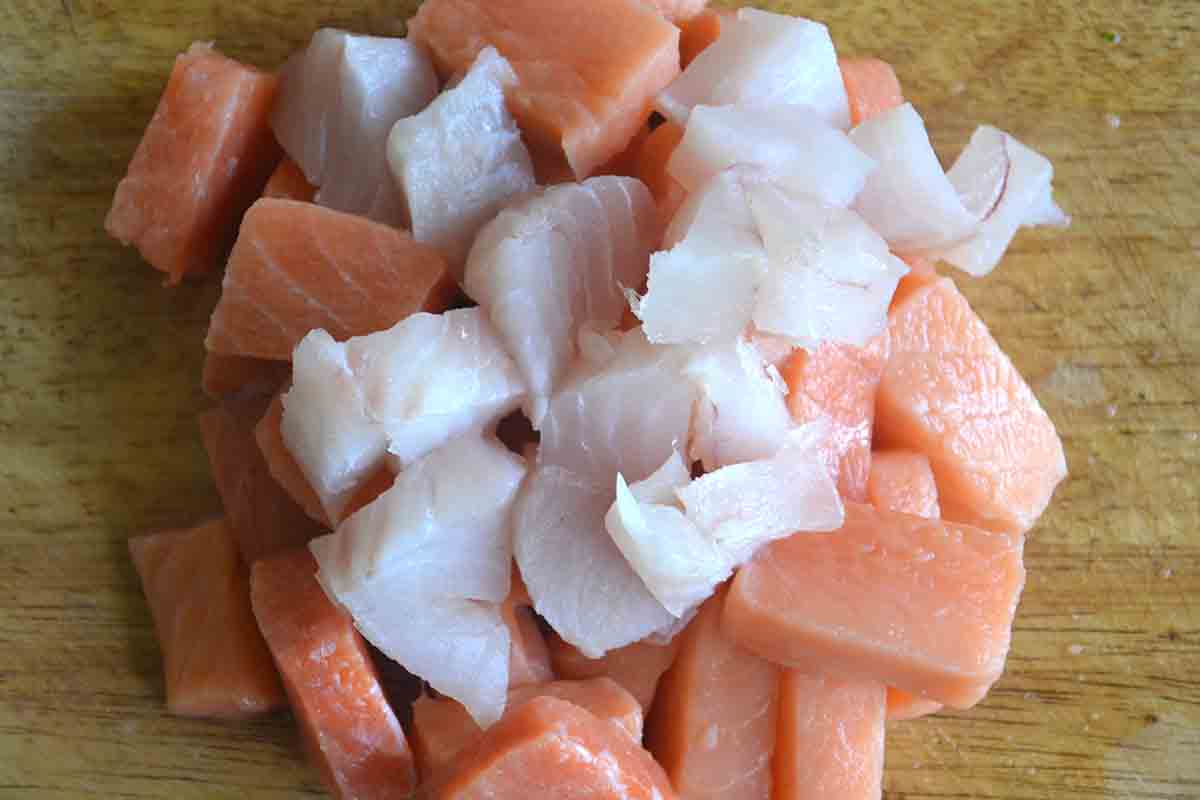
<point>461,160</point>
<point>224,375</point>
<point>602,697</point>
<point>830,744</point>
<point>552,264</point>
<point>871,87</point>
<point>262,516</point>
<point>288,183</point>
<point>425,568</point>
<point>903,705</point>
<point>995,454</point>
<point>298,266</point>
<point>287,472</point>
<point>528,658</point>
<point>636,667</point>
<point>762,59</point>
<point>338,100</point>
<point>839,382</point>
<point>713,725</point>
<point>699,32</point>
<point>921,272</point>
<point>624,163</point>
<point>214,659</point>
<point>922,605</point>
<point>203,160</point>
<point>350,731</point>
<point>579,99</point>
<point>551,748</point>
<point>651,169</point>
<point>679,11</point>
<point>934,317</point>
<point>902,481</point>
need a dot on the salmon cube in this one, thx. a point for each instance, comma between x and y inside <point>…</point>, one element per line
<point>921,273</point>
<point>226,376</point>
<point>830,744</point>
<point>699,32</point>
<point>923,605</point>
<point>350,731</point>
<point>264,519</point>
<point>951,393</point>
<point>902,705</point>
<point>871,87</point>
<point>287,182</point>
<point>203,160</point>
<point>637,667</point>
<point>215,661</point>
<point>442,728</point>
<point>551,748</point>
<point>651,169</point>
<point>903,481</point>
<point>580,99</point>
<point>298,266</point>
<point>839,381</point>
<point>713,725</point>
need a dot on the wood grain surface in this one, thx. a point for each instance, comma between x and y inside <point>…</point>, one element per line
<point>99,392</point>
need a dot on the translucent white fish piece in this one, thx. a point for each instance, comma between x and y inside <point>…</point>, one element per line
<point>423,570</point>
<point>703,288</point>
<point>433,377</point>
<point>624,415</point>
<point>461,160</point>
<point>325,423</point>
<point>577,577</point>
<point>745,506</point>
<point>678,563</point>
<point>763,59</point>
<point>555,262</point>
<point>1025,197</point>
<point>831,276</point>
<point>741,414</point>
<point>794,146</point>
<point>338,99</point>
<point>404,392</point>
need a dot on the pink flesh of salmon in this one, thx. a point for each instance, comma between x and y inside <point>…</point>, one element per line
<point>637,667</point>
<point>528,658</point>
<point>215,660</point>
<point>202,161</point>
<point>921,273</point>
<point>699,32</point>
<point>713,725</point>
<point>579,100</point>
<point>442,728</point>
<point>288,183</point>
<point>830,744</point>
<point>871,87</point>
<point>903,481</point>
<point>922,605</point>
<point>298,266</point>
<point>903,705</point>
<point>264,519</point>
<point>679,11</point>
<point>224,376</point>
<point>839,381</point>
<point>950,393</point>
<point>351,733</point>
<point>551,748</point>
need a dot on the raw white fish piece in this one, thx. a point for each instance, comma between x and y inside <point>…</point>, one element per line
<point>660,485</point>
<point>325,423</point>
<point>625,415</point>
<point>338,99</point>
<point>763,59</point>
<point>423,570</point>
<point>1025,197</point>
<point>555,262</point>
<point>578,579</point>
<point>831,276</point>
<point>461,160</point>
<point>796,148</point>
<point>678,563</point>
<point>745,506</point>
<point>433,377</point>
<point>703,288</point>
<point>741,414</point>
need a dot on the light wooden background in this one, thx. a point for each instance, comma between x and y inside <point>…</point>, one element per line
<point>99,366</point>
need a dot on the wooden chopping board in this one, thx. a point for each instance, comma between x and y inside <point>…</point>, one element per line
<point>99,392</point>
